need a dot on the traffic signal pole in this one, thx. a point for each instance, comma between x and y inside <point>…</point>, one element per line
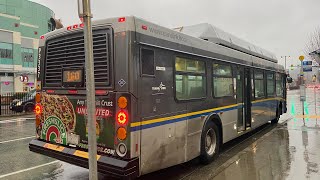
<point>302,86</point>
<point>85,12</point>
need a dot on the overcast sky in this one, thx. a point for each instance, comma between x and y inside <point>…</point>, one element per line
<point>280,26</point>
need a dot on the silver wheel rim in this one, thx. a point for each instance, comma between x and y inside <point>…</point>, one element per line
<point>210,142</point>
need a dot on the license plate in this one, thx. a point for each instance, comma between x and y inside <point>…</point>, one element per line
<point>73,139</point>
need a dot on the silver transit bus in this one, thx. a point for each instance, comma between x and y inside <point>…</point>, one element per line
<point>163,96</point>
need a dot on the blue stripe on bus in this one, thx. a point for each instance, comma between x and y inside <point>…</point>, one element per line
<point>147,126</point>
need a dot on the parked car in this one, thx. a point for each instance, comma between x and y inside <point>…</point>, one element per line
<point>26,103</point>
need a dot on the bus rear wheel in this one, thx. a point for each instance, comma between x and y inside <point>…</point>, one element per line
<point>210,143</point>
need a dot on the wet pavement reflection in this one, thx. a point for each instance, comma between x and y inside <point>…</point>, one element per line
<point>289,150</point>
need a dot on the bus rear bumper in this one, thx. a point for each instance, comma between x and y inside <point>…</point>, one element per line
<point>106,165</point>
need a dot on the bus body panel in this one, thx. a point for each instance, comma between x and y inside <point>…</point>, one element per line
<point>162,146</point>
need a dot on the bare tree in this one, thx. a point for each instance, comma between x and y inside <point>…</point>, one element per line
<point>313,42</point>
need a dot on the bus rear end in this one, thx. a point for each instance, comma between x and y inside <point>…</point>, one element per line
<point>61,123</point>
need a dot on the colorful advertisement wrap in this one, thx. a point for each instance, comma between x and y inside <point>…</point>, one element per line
<point>63,121</point>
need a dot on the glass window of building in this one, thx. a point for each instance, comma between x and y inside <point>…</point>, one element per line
<point>222,80</point>
<point>6,53</point>
<point>27,57</point>
<point>190,79</point>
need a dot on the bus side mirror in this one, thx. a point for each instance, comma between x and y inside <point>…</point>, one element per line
<point>289,79</point>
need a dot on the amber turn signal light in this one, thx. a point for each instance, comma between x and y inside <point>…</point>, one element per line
<point>122,102</point>
<point>38,121</point>
<point>122,133</point>
<point>38,98</point>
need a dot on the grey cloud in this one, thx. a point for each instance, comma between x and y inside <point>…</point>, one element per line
<point>281,27</point>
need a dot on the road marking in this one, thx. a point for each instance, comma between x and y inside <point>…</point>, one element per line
<point>2,142</point>
<point>11,120</point>
<point>28,169</point>
<point>15,120</point>
<point>307,116</point>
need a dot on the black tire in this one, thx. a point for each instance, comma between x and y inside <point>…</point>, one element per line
<point>19,110</point>
<point>29,108</point>
<point>276,120</point>
<point>208,154</point>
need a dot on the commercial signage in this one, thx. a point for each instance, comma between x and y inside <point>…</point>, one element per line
<point>24,78</point>
<point>307,66</point>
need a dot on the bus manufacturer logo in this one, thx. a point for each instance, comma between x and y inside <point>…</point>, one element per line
<point>161,87</point>
<point>54,130</point>
<point>39,61</point>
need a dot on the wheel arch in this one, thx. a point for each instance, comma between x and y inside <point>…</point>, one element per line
<point>28,104</point>
<point>215,118</point>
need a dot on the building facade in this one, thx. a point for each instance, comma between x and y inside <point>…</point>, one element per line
<point>22,22</point>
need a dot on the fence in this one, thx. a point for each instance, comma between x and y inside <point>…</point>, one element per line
<point>16,102</point>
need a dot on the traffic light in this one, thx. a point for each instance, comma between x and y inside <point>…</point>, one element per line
<point>291,66</point>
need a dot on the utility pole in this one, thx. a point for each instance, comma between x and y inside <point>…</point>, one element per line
<point>85,13</point>
<point>302,86</point>
<point>285,62</point>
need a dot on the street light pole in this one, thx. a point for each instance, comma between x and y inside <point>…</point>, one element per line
<point>302,86</point>
<point>285,62</point>
<point>85,12</point>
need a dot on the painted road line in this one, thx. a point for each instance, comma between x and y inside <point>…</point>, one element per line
<point>308,116</point>
<point>2,142</point>
<point>28,169</point>
<point>11,121</point>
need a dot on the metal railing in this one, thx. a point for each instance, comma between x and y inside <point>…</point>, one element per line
<point>16,103</point>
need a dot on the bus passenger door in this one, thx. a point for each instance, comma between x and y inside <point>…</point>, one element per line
<point>243,98</point>
<point>247,96</point>
<point>240,93</point>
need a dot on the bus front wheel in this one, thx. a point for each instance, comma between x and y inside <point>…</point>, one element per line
<point>276,120</point>
<point>210,143</point>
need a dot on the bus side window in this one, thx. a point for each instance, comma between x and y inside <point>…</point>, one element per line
<point>279,85</point>
<point>190,79</point>
<point>147,62</point>
<point>222,80</point>
<point>259,84</point>
<point>270,84</point>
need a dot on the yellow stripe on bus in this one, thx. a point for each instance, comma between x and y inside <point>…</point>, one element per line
<point>83,154</point>
<point>179,116</point>
<point>54,147</point>
<point>193,113</point>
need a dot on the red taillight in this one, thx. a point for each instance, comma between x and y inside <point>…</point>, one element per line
<point>41,37</point>
<point>122,19</point>
<point>38,109</point>
<point>75,26</point>
<point>69,27</point>
<point>144,27</point>
<point>100,92</point>
<point>82,25</point>
<point>122,117</point>
<point>73,92</point>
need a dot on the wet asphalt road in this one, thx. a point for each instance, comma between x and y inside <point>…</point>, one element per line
<point>289,150</point>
